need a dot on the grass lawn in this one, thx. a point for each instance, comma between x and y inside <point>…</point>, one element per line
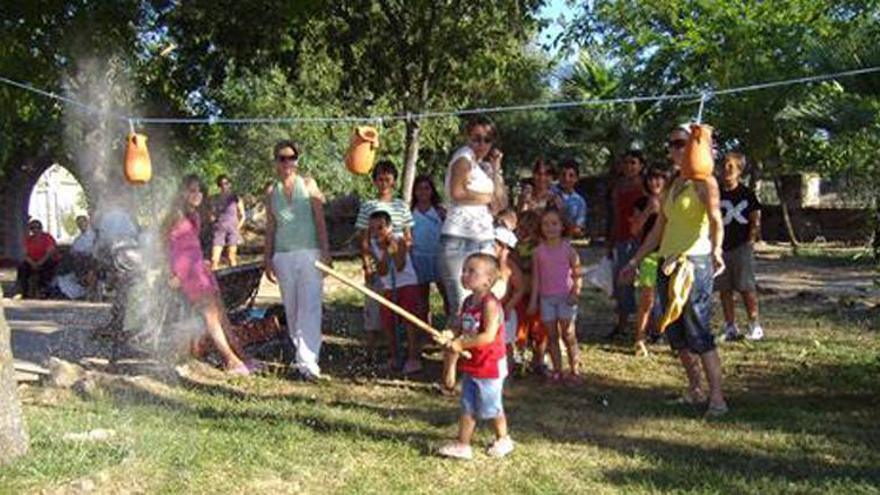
<point>804,416</point>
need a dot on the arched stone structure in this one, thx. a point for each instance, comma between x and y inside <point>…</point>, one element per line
<point>15,193</point>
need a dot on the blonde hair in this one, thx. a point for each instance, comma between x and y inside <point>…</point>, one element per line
<point>488,260</point>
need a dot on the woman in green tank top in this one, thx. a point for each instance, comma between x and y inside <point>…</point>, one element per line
<point>690,227</point>
<point>296,237</point>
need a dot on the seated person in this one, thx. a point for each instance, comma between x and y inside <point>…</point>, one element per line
<point>41,259</point>
<point>191,273</point>
<point>78,277</point>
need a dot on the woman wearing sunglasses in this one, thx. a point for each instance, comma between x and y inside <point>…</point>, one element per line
<point>296,237</point>
<point>689,229</point>
<point>475,190</point>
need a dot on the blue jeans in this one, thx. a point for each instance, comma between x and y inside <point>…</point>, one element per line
<point>450,260</point>
<point>692,329</point>
<point>624,295</point>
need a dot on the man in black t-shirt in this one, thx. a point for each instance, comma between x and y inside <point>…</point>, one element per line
<point>742,219</point>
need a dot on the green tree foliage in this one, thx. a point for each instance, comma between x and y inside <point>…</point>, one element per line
<point>42,43</point>
<point>368,57</point>
<point>663,46</point>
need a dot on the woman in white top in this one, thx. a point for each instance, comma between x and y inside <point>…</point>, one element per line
<point>474,190</point>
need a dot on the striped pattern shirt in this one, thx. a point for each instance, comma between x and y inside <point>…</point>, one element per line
<point>401,216</point>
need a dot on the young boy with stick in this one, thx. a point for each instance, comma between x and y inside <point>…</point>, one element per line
<point>480,332</point>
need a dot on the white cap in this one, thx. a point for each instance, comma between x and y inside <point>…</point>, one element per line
<point>505,236</point>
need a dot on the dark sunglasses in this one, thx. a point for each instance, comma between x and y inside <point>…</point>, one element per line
<point>676,143</point>
<point>286,158</point>
<point>482,139</point>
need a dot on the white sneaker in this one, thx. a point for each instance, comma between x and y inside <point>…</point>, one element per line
<point>755,331</point>
<point>730,333</point>
<point>457,451</point>
<point>500,447</point>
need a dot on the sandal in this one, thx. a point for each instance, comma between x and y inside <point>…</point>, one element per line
<point>255,365</point>
<point>687,399</point>
<point>716,411</point>
<point>554,378</point>
<point>240,370</point>
<point>572,379</point>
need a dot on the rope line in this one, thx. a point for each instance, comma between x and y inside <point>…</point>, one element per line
<point>212,120</point>
<point>65,99</point>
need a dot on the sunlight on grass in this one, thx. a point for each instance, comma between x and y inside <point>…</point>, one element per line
<point>803,419</point>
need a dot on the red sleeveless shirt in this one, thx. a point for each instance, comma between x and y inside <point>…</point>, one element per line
<point>485,359</point>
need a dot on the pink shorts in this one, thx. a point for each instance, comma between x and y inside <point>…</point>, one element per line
<point>410,298</point>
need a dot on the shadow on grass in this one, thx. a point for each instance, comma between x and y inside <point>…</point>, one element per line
<point>570,416</point>
<point>307,411</point>
<point>816,308</point>
<point>837,403</point>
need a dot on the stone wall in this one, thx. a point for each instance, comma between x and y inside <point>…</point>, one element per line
<point>830,224</point>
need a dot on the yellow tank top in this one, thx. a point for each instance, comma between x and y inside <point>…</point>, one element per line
<point>687,224</point>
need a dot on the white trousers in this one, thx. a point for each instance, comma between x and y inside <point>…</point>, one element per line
<point>301,290</point>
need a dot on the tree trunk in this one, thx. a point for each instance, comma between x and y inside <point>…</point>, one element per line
<point>786,217</point>
<point>411,156</point>
<point>13,437</point>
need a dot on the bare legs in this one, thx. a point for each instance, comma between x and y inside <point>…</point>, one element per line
<point>646,304</point>
<point>450,361</point>
<point>232,252</point>
<point>467,424</point>
<point>711,364</point>
<point>215,319</point>
<point>217,253</point>
<point>750,299</point>
<point>563,329</point>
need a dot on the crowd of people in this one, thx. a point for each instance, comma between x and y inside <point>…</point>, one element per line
<point>508,272</point>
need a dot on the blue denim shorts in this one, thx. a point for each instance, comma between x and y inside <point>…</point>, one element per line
<point>481,397</point>
<point>557,308</point>
<point>692,330</point>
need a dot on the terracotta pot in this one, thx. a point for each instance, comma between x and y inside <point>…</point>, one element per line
<point>698,162</point>
<point>362,150</point>
<point>138,169</point>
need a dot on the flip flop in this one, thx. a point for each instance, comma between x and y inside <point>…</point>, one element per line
<point>240,370</point>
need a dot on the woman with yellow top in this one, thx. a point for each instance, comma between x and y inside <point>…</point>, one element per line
<point>689,228</point>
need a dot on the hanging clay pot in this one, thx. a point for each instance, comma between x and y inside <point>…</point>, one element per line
<point>698,163</point>
<point>362,150</point>
<point>138,169</point>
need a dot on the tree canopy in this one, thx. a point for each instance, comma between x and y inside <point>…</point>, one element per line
<point>283,58</point>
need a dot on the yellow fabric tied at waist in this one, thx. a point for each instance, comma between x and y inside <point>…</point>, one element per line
<point>680,271</point>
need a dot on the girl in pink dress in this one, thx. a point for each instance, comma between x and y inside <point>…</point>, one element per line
<point>191,272</point>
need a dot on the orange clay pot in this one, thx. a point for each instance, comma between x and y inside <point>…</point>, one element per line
<point>138,169</point>
<point>362,150</point>
<point>698,163</point>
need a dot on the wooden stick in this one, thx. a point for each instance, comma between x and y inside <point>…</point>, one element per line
<point>415,320</point>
